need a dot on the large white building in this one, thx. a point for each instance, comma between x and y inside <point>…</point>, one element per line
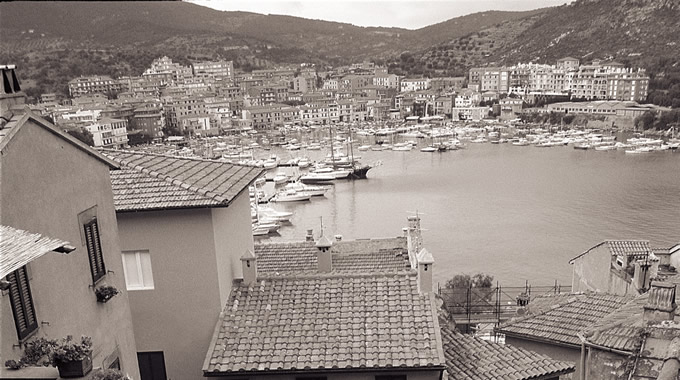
<point>109,133</point>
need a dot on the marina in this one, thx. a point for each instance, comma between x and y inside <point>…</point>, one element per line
<point>506,209</point>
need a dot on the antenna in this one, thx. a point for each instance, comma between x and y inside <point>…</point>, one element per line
<point>321,219</point>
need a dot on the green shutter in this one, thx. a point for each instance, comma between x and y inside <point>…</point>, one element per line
<point>22,303</point>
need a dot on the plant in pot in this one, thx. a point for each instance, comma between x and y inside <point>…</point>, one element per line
<point>108,374</point>
<point>36,353</point>
<point>105,293</point>
<point>73,359</point>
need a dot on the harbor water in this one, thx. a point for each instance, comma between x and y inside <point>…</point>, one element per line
<point>515,212</point>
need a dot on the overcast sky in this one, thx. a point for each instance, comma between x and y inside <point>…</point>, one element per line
<point>410,14</point>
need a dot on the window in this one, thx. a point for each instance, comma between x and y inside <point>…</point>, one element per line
<point>137,268</point>
<point>22,303</point>
<point>94,250</point>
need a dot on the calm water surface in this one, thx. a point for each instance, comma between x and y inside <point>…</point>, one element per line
<point>518,213</point>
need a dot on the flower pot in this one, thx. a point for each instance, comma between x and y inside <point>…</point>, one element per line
<point>78,368</point>
<point>104,298</point>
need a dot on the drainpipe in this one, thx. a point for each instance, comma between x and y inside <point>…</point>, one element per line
<point>582,370</point>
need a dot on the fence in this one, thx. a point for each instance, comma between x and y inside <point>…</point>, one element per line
<point>469,305</point>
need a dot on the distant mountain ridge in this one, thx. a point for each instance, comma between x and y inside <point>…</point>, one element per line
<point>143,24</point>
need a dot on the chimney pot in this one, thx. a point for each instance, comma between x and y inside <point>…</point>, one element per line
<point>338,237</point>
<point>425,261</point>
<point>310,235</point>
<point>323,255</point>
<point>249,266</point>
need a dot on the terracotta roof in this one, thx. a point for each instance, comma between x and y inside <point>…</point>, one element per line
<point>619,330</point>
<point>19,247</point>
<point>274,259</point>
<point>151,181</point>
<point>623,248</point>
<point>470,357</point>
<point>629,247</point>
<point>326,322</point>
<point>563,321</point>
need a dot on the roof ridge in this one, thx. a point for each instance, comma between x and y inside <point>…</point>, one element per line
<point>170,179</point>
<point>320,276</point>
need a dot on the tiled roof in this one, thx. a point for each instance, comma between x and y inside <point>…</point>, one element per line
<point>19,247</point>
<point>326,322</point>
<point>150,181</point>
<point>300,258</point>
<point>623,248</point>
<point>629,247</point>
<point>562,322</point>
<point>471,358</point>
<point>620,330</point>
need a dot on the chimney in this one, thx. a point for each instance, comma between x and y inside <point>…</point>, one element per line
<point>425,261</point>
<point>10,93</point>
<point>642,275</point>
<point>323,256</point>
<point>249,265</point>
<point>338,237</point>
<point>413,240</point>
<point>660,303</point>
<point>310,235</point>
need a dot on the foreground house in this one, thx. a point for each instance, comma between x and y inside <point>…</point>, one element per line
<point>331,323</point>
<point>56,186</point>
<point>183,225</point>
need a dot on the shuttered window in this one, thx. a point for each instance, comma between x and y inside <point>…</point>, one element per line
<point>22,303</point>
<point>94,250</point>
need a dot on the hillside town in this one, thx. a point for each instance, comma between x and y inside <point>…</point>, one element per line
<point>211,99</point>
<point>130,248</point>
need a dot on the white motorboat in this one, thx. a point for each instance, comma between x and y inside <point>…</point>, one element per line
<point>260,230</point>
<point>304,163</point>
<point>291,196</point>
<point>314,191</point>
<point>317,178</point>
<point>280,178</point>
<point>605,147</point>
<point>429,149</point>
<point>364,148</point>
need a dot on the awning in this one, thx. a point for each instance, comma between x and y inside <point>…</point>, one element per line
<point>19,247</point>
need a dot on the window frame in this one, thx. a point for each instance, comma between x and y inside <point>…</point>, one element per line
<point>15,280</point>
<point>139,266</point>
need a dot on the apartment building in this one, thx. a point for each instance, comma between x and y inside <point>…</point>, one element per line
<point>109,133</point>
<point>92,85</point>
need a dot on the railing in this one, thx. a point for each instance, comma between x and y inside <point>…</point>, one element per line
<point>471,305</point>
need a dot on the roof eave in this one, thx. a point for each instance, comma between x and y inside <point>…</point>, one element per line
<point>241,373</point>
<point>539,339</point>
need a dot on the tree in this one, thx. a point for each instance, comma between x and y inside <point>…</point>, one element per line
<point>468,294</point>
<point>645,121</point>
<point>83,135</point>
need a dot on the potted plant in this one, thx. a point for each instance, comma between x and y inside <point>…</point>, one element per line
<point>105,293</point>
<point>73,359</point>
<point>36,353</point>
<point>108,374</point>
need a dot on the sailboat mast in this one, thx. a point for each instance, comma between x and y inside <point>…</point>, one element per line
<point>332,147</point>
